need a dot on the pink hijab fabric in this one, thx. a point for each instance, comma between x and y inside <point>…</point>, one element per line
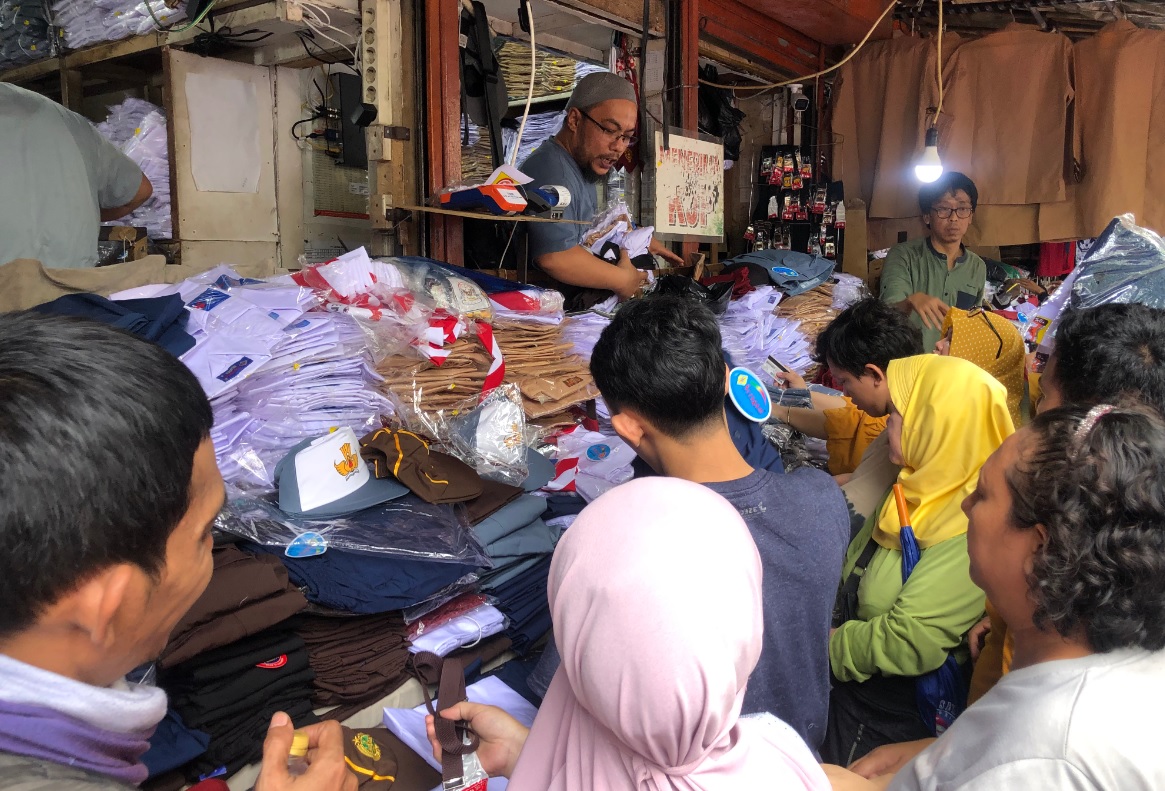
<point>655,592</point>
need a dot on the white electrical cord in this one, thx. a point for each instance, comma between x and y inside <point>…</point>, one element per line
<point>530,91</point>
<point>317,18</point>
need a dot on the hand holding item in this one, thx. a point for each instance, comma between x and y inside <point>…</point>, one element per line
<point>501,736</point>
<point>634,278</point>
<point>326,768</point>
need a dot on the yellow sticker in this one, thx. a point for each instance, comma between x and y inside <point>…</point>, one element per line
<point>741,380</point>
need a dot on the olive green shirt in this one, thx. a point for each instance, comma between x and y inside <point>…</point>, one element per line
<point>915,266</point>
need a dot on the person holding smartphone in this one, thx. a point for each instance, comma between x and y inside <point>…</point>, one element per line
<point>926,277</point>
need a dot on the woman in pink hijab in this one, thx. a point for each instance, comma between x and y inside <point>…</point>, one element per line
<point>655,592</point>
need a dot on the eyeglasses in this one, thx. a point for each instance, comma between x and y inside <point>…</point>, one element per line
<point>626,139</point>
<point>945,212</point>
<point>983,312</point>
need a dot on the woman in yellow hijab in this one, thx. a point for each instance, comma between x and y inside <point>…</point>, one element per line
<point>992,343</point>
<point>948,416</point>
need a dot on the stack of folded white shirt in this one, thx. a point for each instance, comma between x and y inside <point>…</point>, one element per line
<point>752,333</point>
<point>464,630</point>
<point>275,373</point>
<point>92,21</point>
<point>138,128</point>
<point>583,329</point>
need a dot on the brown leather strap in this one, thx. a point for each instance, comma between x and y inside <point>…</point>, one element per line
<point>450,691</point>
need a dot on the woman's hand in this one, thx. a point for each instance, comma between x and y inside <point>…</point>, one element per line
<point>501,736</point>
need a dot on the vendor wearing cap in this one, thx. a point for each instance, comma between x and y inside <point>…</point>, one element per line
<point>927,277</point>
<point>599,126</point>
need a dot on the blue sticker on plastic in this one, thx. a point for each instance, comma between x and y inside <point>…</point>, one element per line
<point>306,545</point>
<point>749,395</point>
<point>598,452</point>
<point>784,270</point>
<point>208,300</point>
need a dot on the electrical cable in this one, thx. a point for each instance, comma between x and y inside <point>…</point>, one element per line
<point>530,91</point>
<point>173,29</point>
<point>304,38</point>
<point>939,62</point>
<point>803,78</point>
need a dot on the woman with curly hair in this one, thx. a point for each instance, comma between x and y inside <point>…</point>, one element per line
<point>1067,538</point>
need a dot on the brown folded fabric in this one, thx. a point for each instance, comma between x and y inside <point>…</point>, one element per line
<point>494,495</point>
<point>382,762</point>
<point>487,651</point>
<point>434,477</point>
<point>554,388</point>
<point>246,595</point>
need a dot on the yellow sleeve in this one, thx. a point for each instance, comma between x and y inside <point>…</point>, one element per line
<point>848,432</point>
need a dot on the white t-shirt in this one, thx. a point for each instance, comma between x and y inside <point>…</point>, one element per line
<point>1090,724</point>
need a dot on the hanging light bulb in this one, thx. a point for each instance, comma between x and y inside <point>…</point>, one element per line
<point>929,167</point>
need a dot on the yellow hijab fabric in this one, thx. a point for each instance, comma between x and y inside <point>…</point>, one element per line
<point>1000,355</point>
<point>954,415</point>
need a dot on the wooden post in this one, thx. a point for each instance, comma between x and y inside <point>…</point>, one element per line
<point>442,120</point>
<point>387,54</point>
<point>690,72</point>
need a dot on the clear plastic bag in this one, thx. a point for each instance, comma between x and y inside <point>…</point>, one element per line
<point>1126,264</point>
<point>448,290</point>
<point>408,527</point>
<point>488,434</point>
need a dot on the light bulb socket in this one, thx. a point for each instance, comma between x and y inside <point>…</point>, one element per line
<point>932,137</point>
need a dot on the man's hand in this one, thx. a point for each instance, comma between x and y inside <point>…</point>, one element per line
<point>790,379</point>
<point>326,771</point>
<point>889,758</point>
<point>658,248</point>
<point>633,278</point>
<point>501,736</point>
<point>932,310</point>
<point>977,637</point>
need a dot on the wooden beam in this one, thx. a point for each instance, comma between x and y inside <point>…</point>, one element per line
<point>832,22</point>
<point>442,120</point>
<point>623,15</point>
<point>72,89</point>
<point>739,27</point>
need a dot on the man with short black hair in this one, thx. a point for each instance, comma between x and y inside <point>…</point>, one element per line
<point>108,492</point>
<point>857,348</point>
<point>926,277</point>
<point>660,370</point>
<point>600,125</point>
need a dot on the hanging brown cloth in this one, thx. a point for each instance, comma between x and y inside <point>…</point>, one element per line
<point>1120,99</point>
<point>1007,120</point>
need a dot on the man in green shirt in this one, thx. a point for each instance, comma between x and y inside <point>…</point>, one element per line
<point>927,277</point>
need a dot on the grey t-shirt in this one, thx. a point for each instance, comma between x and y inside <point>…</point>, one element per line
<point>58,172</point>
<point>551,164</point>
<point>800,524</point>
<point>1090,724</point>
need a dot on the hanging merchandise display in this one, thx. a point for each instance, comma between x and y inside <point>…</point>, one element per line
<point>1011,134</point>
<point>793,211</point>
<point>719,116</point>
<point>1117,79</point>
<point>879,121</point>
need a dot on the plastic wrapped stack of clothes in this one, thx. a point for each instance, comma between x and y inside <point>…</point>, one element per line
<point>27,32</point>
<point>110,20</point>
<point>138,128</point>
